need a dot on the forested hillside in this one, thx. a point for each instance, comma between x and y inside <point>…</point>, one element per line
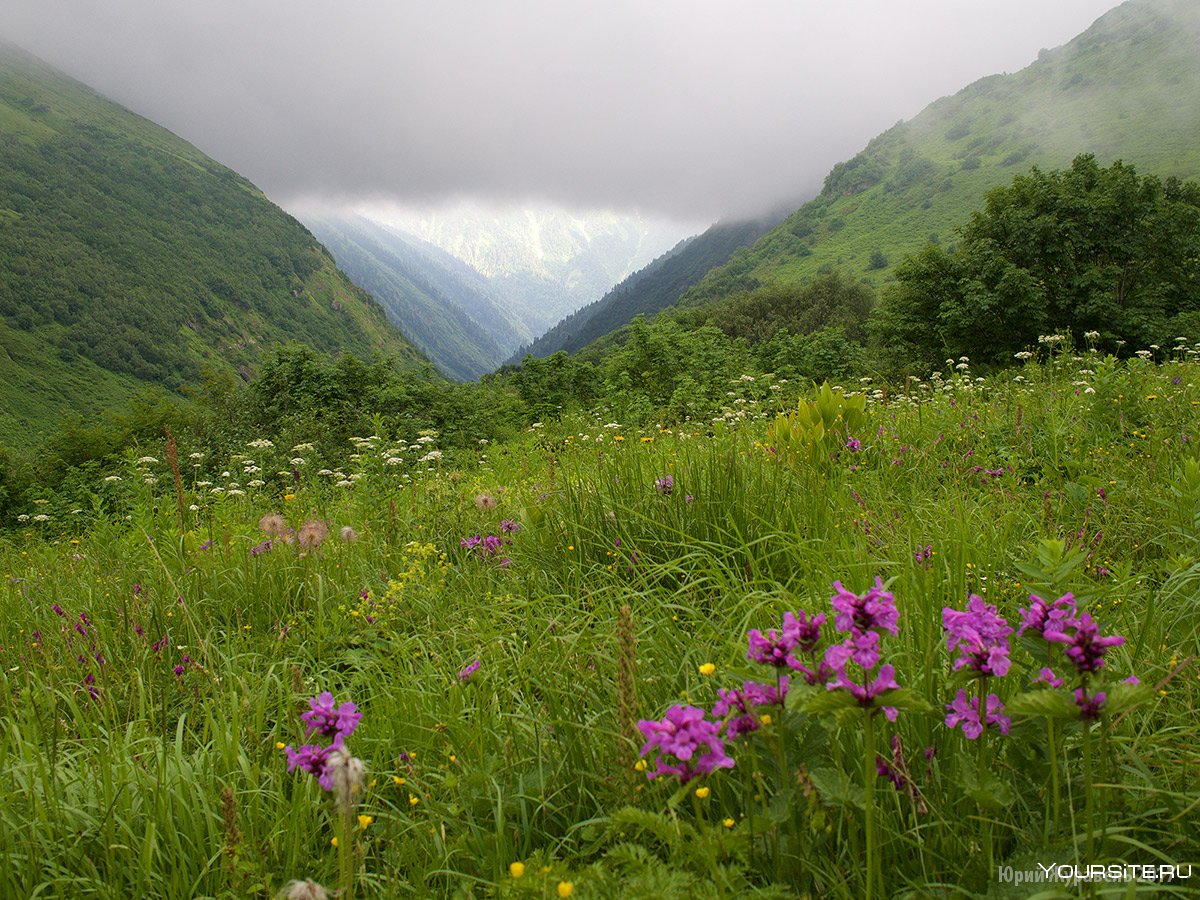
<point>128,258</point>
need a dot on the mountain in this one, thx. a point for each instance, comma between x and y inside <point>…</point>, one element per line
<point>1127,88</point>
<point>543,263</point>
<point>449,310</point>
<point>651,289</point>
<point>128,258</point>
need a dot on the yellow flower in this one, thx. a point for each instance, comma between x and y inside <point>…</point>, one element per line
<point>289,496</point>
<point>279,745</point>
<point>640,765</point>
<point>565,889</point>
<point>570,546</point>
<point>413,799</point>
<point>708,669</point>
<point>616,437</point>
<point>333,841</point>
<point>364,821</point>
<point>728,823</point>
<point>765,719</point>
<point>702,793</point>
<point>397,780</point>
<point>517,869</point>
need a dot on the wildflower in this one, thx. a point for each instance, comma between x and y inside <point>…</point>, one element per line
<point>465,674</point>
<point>1089,706</point>
<point>727,822</point>
<point>272,524</point>
<point>565,889</point>
<point>665,485</point>
<point>707,668</point>
<point>1042,616</point>
<point>343,776</point>
<point>313,534</point>
<point>348,534</point>
<point>687,735</point>
<point>1085,648</point>
<point>741,702</point>
<point>1047,676</point>
<point>304,890</point>
<point>260,549</point>
<point>966,713</point>
<point>516,869</point>
<point>508,526</point>
<point>873,611</point>
<point>980,635</point>
<point>853,445</point>
<point>485,502</point>
<point>323,718</point>
<point>799,634</point>
<point>703,792</point>
<point>364,822</point>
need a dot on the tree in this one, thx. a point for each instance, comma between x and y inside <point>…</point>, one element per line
<point>1082,249</point>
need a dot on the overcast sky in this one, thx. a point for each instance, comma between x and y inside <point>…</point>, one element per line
<point>677,108</point>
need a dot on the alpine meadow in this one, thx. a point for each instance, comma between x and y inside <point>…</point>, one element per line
<point>846,553</point>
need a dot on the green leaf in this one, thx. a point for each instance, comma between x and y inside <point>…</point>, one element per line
<point>904,699</point>
<point>837,788</point>
<point>829,701</point>
<point>1126,696</point>
<point>1047,702</point>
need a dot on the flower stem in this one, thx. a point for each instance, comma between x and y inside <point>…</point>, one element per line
<point>346,852</point>
<point>869,776</point>
<point>1089,805</point>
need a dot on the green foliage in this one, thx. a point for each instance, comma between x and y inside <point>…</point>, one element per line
<point>1087,249</point>
<point>812,434</point>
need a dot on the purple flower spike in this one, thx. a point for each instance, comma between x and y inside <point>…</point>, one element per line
<point>465,674</point>
<point>800,633</point>
<point>690,737</point>
<point>665,485</point>
<point>1089,706</point>
<point>311,758</point>
<point>873,611</point>
<point>1042,616</point>
<point>1085,648</point>
<point>965,712</point>
<point>329,721</point>
<point>980,635</point>
<point>508,526</point>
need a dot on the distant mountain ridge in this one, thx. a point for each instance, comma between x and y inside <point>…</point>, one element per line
<point>651,289</point>
<point>449,310</point>
<point>129,258</point>
<point>1128,88</point>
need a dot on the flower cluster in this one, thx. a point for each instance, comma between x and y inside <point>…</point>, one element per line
<point>979,639</point>
<point>740,703</point>
<point>965,713</point>
<point>665,485</point>
<point>1083,645</point>
<point>488,547</point>
<point>863,618</point>
<point>335,769</point>
<point>689,736</point>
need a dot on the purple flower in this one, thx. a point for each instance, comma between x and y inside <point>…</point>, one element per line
<point>1085,648</point>
<point>866,693</point>
<point>1089,706</point>
<point>1047,676</point>
<point>774,649</point>
<point>923,555</point>
<point>206,545</point>
<point>965,712</point>
<point>260,549</point>
<point>862,650</point>
<point>980,634</point>
<point>311,758</point>
<point>873,611</point>
<point>690,737</point>
<point>853,445</point>
<point>59,610</point>
<point>470,543</point>
<point>665,485</point>
<point>329,721</point>
<point>465,674</point>
<point>742,702</point>
<point>508,526</point>
<point>1042,616</point>
<point>158,645</point>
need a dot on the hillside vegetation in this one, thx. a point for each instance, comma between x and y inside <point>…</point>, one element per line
<point>128,259</point>
<point>1127,88</point>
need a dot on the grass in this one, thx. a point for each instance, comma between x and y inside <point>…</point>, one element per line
<point>144,782</point>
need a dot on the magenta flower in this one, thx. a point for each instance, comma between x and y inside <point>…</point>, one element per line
<point>1085,648</point>
<point>965,712</point>
<point>325,719</point>
<point>690,737</point>
<point>800,633</point>
<point>1089,706</point>
<point>742,703</point>
<point>1042,616</point>
<point>508,526</point>
<point>867,692</point>
<point>1047,676</point>
<point>873,611</point>
<point>665,485</point>
<point>311,758</point>
<point>980,634</point>
<point>465,674</point>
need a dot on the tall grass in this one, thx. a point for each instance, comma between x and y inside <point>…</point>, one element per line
<point>129,770</point>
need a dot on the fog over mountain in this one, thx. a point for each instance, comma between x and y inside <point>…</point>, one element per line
<point>680,109</point>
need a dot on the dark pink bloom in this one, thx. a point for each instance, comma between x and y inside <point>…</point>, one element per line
<point>330,721</point>
<point>1085,647</point>
<point>965,712</point>
<point>873,611</point>
<point>980,634</point>
<point>690,737</point>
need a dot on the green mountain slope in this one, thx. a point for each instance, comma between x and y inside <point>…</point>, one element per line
<point>1127,88</point>
<point>128,258</point>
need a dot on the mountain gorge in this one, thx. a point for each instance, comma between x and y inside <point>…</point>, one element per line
<point>129,259</point>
